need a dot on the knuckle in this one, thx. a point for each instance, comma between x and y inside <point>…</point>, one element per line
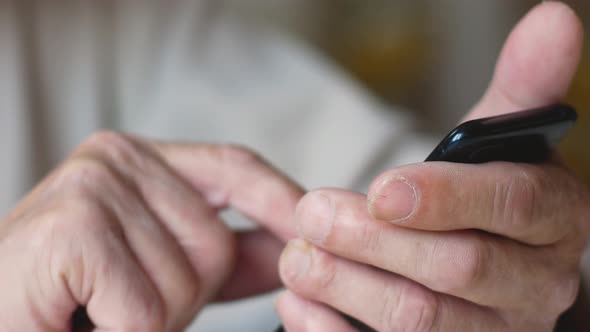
<point>67,232</point>
<point>76,202</point>
<point>469,265</point>
<point>76,217</point>
<point>577,195</point>
<point>515,200</point>
<point>459,264</point>
<point>106,140</point>
<point>370,239</point>
<point>84,176</point>
<point>115,147</point>
<point>524,199</point>
<point>236,154</point>
<point>415,310</point>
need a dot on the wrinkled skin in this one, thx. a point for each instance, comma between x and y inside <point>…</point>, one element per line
<point>126,234</point>
<point>453,247</point>
<point>126,231</point>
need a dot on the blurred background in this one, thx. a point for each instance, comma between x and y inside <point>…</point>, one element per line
<point>137,66</point>
<point>432,57</point>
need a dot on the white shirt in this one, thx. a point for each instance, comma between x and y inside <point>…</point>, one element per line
<point>186,70</point>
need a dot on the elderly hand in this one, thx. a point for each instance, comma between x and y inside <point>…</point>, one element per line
<point>453,247</point>
<point>126,235</point>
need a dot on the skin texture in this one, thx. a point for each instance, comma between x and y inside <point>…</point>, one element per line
<point>126,234</point>
<point>452,247</point>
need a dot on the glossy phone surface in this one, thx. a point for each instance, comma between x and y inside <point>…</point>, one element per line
<point>526,136</point>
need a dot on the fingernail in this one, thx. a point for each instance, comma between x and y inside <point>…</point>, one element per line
<point>314,217</point>
<point>395,200</point>
<point>295,260</point>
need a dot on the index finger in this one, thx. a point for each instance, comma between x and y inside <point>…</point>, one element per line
<point>233,176</point>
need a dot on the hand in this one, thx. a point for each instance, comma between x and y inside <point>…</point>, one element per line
<point>453,247</point>
<point>126,233</point>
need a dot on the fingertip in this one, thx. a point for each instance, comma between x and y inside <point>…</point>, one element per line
<point>314,216</point>
<point>295,261</point>
<point>541,55</point>
<point>552,29</point>
<point>237,177</point>
<point>551,7</point>
<point>537,63</point>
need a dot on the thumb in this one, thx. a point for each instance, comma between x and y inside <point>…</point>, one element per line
<point>537,63</point>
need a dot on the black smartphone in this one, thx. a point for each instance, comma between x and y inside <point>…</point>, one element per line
<point>526,136</point>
